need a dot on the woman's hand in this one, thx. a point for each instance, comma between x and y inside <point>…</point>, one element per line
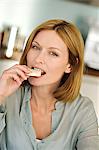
<point>11,79</point>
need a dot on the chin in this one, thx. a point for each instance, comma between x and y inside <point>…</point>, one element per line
<point>43,82</point>
<point>34,82</point>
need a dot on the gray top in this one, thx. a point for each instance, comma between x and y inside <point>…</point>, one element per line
<point>74,125</point>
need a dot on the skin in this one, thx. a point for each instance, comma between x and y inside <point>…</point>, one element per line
<point>52,57</point>
<point>11,79</point>
<point>49,53</point>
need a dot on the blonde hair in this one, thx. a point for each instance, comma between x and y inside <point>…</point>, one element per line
<point>70,84</point>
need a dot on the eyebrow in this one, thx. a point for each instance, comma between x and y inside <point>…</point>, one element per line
<point>36,43</point>
<point>49,47</point>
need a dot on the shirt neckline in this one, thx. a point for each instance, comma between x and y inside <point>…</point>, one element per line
<point>27,96</point>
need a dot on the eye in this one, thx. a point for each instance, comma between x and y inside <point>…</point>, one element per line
<point>54,54</point>
<point>35,47</point>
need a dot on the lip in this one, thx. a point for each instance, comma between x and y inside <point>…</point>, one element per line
<point>38,77</point>
<point>42,70</point>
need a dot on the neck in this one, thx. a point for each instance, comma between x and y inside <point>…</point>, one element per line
<point>42,99</point>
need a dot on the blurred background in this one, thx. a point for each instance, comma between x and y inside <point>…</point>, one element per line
<point>19,17</point>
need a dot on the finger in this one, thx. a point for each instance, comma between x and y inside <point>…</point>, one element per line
<point>16,78</point>
<point>10,75</point>
<point>24,68</point>
<point>20,73</point>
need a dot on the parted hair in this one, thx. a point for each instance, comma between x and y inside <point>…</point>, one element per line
<point>70,84</point>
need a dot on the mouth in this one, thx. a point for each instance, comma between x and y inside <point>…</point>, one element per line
<point>39,69</point>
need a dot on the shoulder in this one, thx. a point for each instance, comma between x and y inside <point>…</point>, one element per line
<point>87,110</point>
<point>85,106</point>
<point>23,93</point>
<point>14,99</point>
<point>83,103</point>
<point>82,109</point>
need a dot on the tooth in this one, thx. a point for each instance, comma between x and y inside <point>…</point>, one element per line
<point>37,69</point>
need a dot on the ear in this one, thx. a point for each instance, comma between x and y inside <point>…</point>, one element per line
<point>68,68</point>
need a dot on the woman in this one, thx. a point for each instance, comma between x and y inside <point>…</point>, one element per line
<point>47,112</point>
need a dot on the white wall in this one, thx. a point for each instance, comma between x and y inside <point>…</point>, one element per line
<point>28,13</point>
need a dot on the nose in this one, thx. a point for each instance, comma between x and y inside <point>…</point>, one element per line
<point>40,58</point>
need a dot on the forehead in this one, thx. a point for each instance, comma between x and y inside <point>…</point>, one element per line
<point>49,38</point>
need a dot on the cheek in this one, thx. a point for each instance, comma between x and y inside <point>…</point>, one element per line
<point>29,58</point>
<point>56,74</point>
<point>58,68</point>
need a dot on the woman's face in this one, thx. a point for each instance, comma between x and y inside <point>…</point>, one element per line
<point>48,53</point>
